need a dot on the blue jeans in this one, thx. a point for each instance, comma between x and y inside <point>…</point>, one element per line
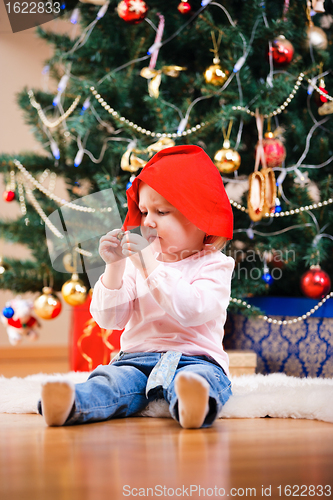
<point>118,389</point>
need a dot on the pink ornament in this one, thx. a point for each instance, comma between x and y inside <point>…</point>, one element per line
<point>274,150</point>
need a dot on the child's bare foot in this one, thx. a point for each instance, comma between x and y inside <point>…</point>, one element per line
<point>57,401</point>
<point>193,394</point>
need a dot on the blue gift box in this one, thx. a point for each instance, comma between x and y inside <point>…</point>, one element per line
<point>302,349</point>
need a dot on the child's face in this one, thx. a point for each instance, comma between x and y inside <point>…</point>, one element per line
<point>178,237</point>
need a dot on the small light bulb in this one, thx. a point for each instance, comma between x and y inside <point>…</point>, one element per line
<point>55,150</point>
<point>78,157</point>
<point>75,16</point>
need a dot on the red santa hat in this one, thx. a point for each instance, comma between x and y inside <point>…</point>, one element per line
<point>188,179</point>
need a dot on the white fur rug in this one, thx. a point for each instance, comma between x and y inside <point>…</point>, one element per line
<point>275,395</point>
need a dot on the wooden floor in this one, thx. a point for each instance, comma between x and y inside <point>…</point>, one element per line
<point>113,460</point>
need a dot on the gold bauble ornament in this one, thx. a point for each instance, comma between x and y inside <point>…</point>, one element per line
<point>316,38</point>
<point>74,291</point>
<point>47,305</point>
<point>227,160</point>
<point>215,74</point>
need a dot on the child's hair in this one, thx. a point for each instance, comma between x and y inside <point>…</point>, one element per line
<point>217,242</point>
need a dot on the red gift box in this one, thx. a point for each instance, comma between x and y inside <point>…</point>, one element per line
<point>90,345</point>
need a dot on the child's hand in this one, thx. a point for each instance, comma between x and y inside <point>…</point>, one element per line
<point>132,243</point>
<point>110,248</point>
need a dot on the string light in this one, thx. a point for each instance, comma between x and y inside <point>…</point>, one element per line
<point>285,321</point>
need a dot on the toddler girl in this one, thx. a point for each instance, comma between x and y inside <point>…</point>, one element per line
<point>170,295</point>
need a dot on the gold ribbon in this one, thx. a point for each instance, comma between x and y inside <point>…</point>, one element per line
<point>87,331</point>
<point>260,154</point>
<point>164,142</point>
<point>326,108</point>
<point>132,163</point>
<point>155,76</point>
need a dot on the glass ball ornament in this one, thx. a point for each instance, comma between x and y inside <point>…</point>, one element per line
<point>8,195</point>
<point>47,305</point>
<point>132,11</point>
<point>315,283</point>
<point>184,7</point>
<point>282,51</point>
<point>267,278</point>
<point>226,159</point>
<point>74,291</point>
<point>215,75</point>
<point>274,150</point>
<point>316,38</point>
<point>8,312</point>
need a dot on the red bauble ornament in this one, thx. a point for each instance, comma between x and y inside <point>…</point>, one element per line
<point>274,150</point>
<point>132,11</point>
<point>315,283</point>
<point>184,7</point>
<point>9,195</point>
<point>282,51</point>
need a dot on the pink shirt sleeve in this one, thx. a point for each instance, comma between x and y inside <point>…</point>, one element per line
<point>113,308</point>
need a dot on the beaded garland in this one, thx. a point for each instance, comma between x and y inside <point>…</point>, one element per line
<point>287,212</point>
<point>285,321</point>
<point>280,108</point>
<point>142,130</point>
<point>173,135</point>
<point>42,115</point>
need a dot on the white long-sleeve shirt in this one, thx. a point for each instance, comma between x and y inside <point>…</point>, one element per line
<point>180,307</point>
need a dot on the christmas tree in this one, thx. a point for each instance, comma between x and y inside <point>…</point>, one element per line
<point>249,82</point>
